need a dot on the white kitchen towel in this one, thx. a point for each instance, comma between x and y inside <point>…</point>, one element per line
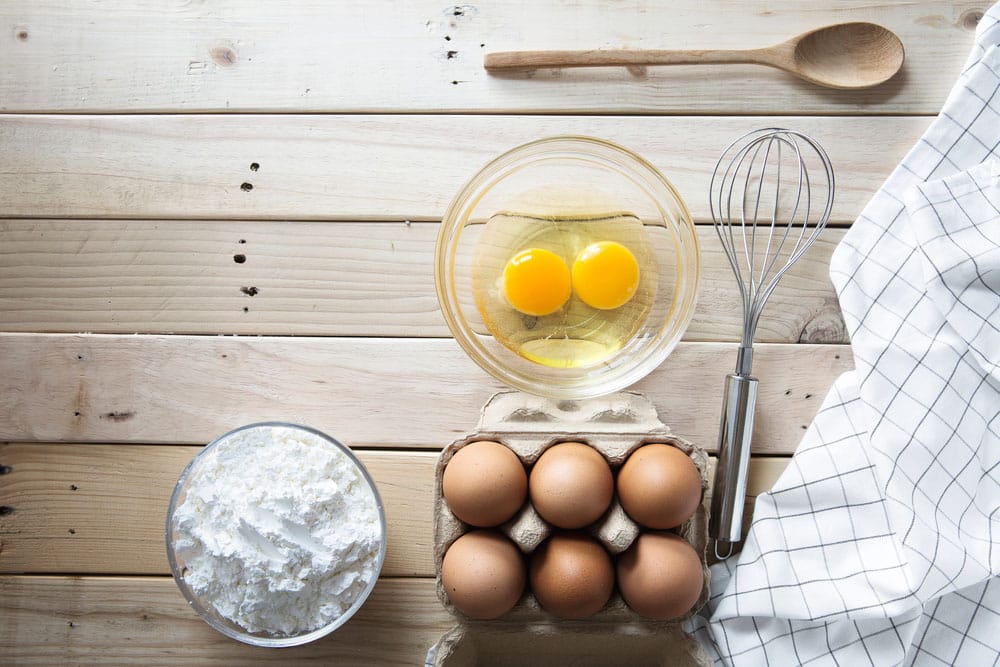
<point>876,546</point>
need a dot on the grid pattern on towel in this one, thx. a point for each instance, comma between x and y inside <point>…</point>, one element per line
<point>876,544</point>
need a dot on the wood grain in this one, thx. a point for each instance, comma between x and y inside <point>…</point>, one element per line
<point>146,621</point>
<point>311,55</point>
<point>311,278</point>
<point>364,391</point>
<point>352,168</point>
<point>102,508</point>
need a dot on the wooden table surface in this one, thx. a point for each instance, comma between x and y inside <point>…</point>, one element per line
<point>213,213</point>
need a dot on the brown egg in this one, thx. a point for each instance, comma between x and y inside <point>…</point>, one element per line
<point>571,485</point>
<point>484,483</point>
<point>483,574</point>
<point>659,486</point>
<point>571,575</point>
<point>660,576</point>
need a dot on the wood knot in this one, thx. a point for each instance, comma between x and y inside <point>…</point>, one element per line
<point>970,19</point>
<point>825,326</point>
<point>223,56</point>
<point>22,34</point>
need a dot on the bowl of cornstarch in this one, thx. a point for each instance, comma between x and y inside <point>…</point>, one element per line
<point>275,534</point>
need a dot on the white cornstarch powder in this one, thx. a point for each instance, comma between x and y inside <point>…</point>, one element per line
<point>279,531</point>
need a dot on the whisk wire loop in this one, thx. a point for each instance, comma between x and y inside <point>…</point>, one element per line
<point>750,189</point>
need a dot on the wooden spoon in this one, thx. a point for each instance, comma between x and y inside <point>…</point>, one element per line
<point>845,55</point>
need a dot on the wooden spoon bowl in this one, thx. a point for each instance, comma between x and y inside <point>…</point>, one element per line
<point>848,55</point>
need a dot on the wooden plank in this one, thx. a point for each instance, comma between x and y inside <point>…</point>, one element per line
<point>408,392</point>
<point>101,508</point>
<point>313,167</point>
<point>311,278</point>
<point>311,55</point>
<point>146,621</point>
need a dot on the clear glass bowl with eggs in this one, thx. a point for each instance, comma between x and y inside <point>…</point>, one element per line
<point>568,267</point>
<point>232,488</point>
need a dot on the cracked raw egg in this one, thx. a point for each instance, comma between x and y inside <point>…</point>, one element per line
<point>605,275</point>
<point>565,290</point>
<point>536,282</point>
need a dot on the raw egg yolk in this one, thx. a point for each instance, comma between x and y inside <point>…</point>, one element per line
<point>605,275</point>
<point>536,282</point>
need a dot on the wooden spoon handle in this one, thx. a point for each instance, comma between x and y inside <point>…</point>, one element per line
<point>520,60</point>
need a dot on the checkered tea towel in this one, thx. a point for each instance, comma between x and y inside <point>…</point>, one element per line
<point>880,543</point>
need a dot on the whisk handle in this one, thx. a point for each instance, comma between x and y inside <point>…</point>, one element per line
<point>725,523</point>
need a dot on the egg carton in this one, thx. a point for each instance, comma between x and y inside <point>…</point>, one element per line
<point>615,425</point>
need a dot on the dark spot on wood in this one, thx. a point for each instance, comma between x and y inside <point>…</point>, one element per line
<point>79,357</point>
<point>788,392</point>
<point>69,623</point>
<point>6,510</point>
<point>809,395</point>
<point>836,356</point>
<point>804,427</point>
<point>22,35</point>
<point>454,83</point>
<point>246,187</point>
<point>457,11</point>
<point>145,617</point>
<point>76,413</point>
<point>250,291</point>
<point>225,356</point>
<point>118,416</point>
<point>239,259</point>
<point>245,309</point>
<point>452,54</point>
<point>72,531</point>
<point>73,487</point>
<point>482,46</point>
<point>254,166</point>
<point>6,470</point>
<point>447,38</point>
<point>223,56</point>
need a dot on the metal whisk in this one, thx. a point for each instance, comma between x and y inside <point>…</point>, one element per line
<point>747,199</point>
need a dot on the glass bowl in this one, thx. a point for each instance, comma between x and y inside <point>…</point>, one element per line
<point>197,470</point>
<point>567,195</point>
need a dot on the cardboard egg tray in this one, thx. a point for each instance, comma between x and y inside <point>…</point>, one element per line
<point>615,425</point>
